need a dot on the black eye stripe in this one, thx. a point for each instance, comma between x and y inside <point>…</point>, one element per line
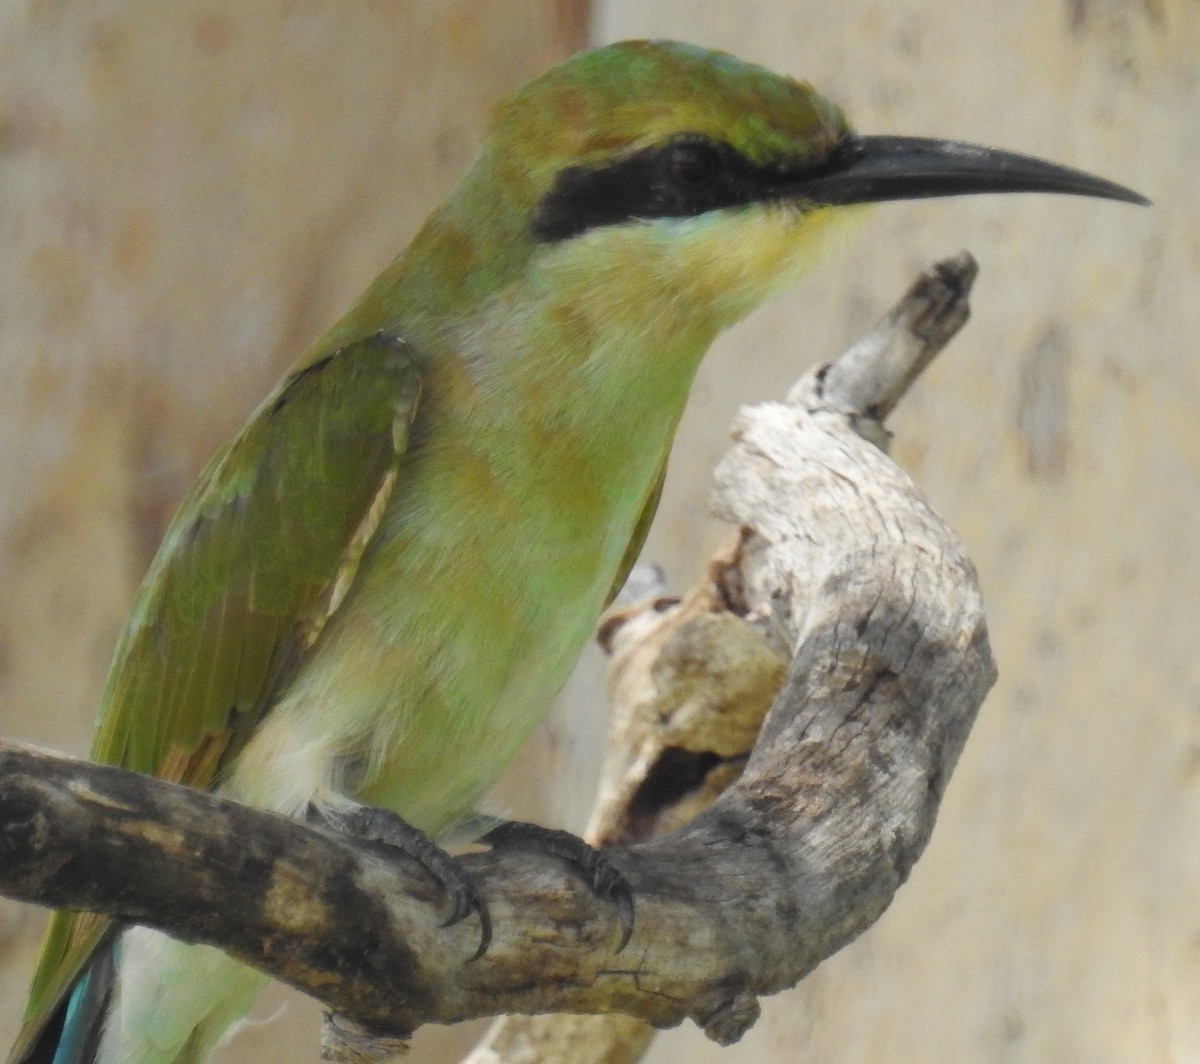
<point>692,165</point>
<point>680,179</point>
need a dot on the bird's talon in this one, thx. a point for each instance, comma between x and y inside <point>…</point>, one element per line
<point>466,902</point>
<point>463,903</point>
<point>380,825</point>
<point>485,931</point>
<point>623,901</point>
<point>602,877</point>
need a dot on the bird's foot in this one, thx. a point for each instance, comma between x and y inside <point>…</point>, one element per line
<point>597,871</point>
<point>384,826</point>
<point>381,825</point>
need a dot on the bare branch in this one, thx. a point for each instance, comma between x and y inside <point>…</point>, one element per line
<point>691,680</point>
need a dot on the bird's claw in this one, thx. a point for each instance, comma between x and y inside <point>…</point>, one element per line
<point>386,827</point>
<point>603,878</point>
<point>622,899</point>
<point>465,903</point>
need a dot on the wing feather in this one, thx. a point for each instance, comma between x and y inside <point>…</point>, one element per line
<point>638,539</point>
<point>258,557</point>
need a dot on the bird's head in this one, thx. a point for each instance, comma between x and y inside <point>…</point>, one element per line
<point>652,174</point>
<point>648,130</point>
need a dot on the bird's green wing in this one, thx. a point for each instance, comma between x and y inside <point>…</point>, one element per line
<point>640,530</point>
<point>258,557</point>
<point>261,553</point>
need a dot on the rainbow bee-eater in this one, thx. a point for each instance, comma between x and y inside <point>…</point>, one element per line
<point>376,588</point>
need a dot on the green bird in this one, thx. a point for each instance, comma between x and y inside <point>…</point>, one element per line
<point>376,588</point>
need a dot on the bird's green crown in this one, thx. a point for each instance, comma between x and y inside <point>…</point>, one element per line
<point>652,129</point>
<point>608,102</point>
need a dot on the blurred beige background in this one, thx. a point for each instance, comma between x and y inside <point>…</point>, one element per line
<point>190,192</point>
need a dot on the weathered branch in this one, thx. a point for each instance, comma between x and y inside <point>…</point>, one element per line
<point>841,566</point>
<point>692,680</point>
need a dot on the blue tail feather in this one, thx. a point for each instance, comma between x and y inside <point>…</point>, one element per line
<point>73,1035</point>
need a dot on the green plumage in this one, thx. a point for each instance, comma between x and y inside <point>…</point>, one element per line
<point>242,585</point>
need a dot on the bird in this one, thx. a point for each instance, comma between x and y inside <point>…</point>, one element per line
<point>378,585</point>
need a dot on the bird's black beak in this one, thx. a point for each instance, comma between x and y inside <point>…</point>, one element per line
<point>871,169</point>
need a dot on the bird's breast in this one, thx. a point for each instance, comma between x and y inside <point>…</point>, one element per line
<point>489,569</point>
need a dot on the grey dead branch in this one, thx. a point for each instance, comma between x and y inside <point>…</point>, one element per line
<point>843,609</point>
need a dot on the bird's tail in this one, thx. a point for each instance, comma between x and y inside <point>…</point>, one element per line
<point>72,1034</point>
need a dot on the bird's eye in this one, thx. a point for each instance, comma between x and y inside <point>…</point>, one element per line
<point>692,166</point>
